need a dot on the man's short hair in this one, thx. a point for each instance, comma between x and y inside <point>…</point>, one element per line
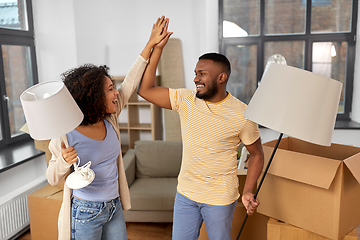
<point>218,58</point>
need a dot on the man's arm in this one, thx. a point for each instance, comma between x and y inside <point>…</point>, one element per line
<point>147,89</point>
<point>255,166</point>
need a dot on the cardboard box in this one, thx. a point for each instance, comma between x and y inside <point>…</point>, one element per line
<point>44,206</point>
<point>254,229</point>
<point>313,187</point>
<point>282,231</point>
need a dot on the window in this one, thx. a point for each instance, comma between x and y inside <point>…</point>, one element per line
<point>17,66</point>
<point>317,35</point>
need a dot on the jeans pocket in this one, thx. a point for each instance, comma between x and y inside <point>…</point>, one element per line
<point>86,214</point>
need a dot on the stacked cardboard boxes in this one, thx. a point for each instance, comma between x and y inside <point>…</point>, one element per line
<point>313,187</point>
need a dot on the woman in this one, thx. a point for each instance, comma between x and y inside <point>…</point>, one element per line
<point>96,211</point>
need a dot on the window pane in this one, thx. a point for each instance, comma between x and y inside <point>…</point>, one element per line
<point>13,14</point>
<point>331,16</point>
<point>241,18</point>
<point>18,77</point>
<point>242,83</point>
<point>329,59</point>
<point>284,16</point>
<point>293,51</point>
<point>1,134</point>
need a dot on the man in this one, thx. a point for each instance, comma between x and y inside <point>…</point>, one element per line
<point>212,127</point>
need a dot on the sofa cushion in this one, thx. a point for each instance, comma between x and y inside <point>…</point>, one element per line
<point>158,158</point>
<point>153,194</point>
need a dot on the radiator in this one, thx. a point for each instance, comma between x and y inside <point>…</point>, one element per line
<point>14,214</point>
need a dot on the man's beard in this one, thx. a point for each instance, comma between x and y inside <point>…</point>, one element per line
<point>210,93</point>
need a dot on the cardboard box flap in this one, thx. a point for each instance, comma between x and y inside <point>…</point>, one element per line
<point>46,191</point>
<point>335,151</point>
<point>353,163</point>
<point>302,167</point>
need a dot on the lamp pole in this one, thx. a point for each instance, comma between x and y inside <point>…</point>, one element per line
<point>261,181</point>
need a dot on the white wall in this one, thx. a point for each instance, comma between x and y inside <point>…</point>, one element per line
<point>113,32</point>
<point>54,37</point>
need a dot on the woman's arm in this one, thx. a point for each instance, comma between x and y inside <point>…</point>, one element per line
<point>58,168</point>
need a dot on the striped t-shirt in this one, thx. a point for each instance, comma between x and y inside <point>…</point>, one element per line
<point>211,134</point>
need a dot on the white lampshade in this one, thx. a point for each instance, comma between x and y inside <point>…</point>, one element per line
<point>297,103</point>
<point>50,110</point>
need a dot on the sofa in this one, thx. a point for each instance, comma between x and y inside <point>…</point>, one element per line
<point>151,170</point>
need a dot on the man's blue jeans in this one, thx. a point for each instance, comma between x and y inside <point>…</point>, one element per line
<point>93,220</point>
<point>189,215</point>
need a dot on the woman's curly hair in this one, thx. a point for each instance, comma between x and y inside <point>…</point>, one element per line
<point>86,85</point>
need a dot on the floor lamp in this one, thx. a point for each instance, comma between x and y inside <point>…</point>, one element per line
<point>50,111</point>
<point>295,102</point>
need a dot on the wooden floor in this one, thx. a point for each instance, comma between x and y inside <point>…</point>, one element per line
<point>136,231</point>
<point>146,231</point>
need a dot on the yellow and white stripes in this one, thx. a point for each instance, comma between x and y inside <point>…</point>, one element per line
<point>211,133</point>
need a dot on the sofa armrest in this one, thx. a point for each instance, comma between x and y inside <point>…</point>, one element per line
<point>129,165</point>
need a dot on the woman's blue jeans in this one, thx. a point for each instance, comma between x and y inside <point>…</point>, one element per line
<point>93,220</point>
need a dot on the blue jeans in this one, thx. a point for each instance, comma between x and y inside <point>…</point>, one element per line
<point>93,220</point>
<point>189,215</point>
